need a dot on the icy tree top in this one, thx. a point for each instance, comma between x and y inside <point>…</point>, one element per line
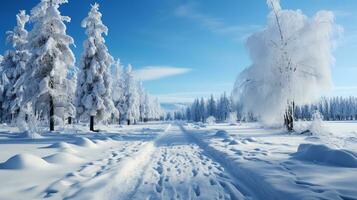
<point>18,37</point>
<point>93,23</point>
<point>40,10</point>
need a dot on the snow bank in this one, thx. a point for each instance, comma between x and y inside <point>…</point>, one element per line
<point>234,142</point>
<point>84,142</point>
<point>323,154</point>
<point>222,134</point>
<point>63,158</point>
<point>59,145</point>
<point>24,161</point>
<point>250,139</point>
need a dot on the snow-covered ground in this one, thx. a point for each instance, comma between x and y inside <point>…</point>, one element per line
<point>180,161</point>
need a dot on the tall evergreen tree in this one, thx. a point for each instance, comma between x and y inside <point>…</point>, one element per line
<point>51,56</point>
<point>94,100</point>
<point>211,106</point>
<point>131,109</point>
<point>118,89</point>
<point>14,66</point>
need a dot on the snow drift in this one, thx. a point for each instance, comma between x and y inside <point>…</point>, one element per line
<point>63,158</point>
<point>323,154</point>
<point>59,145</point>
<point>222,134</point>
<point>24,161</point>
<point>85,142</point>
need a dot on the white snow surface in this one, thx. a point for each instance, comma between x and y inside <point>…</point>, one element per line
<point>180,161</point>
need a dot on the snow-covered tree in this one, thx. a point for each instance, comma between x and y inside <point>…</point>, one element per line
<point>118,88</point>
<point>94,99</point>
<point>147,108</point>
<point>69,100</point>
<point>131,106</point>
<point>142,101</point>
<point>223,108</point>
<point>13,68</point>
<point>202,110</point>
<point>211,120</point>
<point>51,57</point>
<point>291,60</point>
<point>211,106</point>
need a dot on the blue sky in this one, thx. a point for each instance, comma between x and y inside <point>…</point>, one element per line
<point>204,38</point>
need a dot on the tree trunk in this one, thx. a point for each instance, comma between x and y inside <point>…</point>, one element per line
<point>119,118</point>
<point>52,114</point>
<point>128,121</point>
<point>1,111</point>
<point>289,117</point>
<point>69,120</point>
<point>52,108</point>
<point>91,123</point>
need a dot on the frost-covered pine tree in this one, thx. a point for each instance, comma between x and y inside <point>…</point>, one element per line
<point>51,57</point>
<point>157,111</point>
<point>118,89</point>
<point>202,110</point>
<point>147,107</point>
<point>142,101</point>
<point>69,100</point>
<point>94,99</point>
<point>211,106</point>
<point>131,106</point>
<point>13,68</point>
<point>291,64</point>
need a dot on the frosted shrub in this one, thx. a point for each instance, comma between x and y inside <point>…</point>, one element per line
<point>316,126</point>
<point>232,119</point>
<point>211,120</point>
<point>30,128</point>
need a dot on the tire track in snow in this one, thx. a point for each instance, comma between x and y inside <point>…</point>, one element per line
<point>120,178</point>
<point>248,181</point>
<point>179,169</point>
<point>70,183</point>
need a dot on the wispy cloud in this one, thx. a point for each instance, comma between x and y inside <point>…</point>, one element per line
<point>188,97</point>
<point>181,97</point>
<point>157,72</point>
<point>215,24</point>
<point>343,13</point>
<point>344,91</point>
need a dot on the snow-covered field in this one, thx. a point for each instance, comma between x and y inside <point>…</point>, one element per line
<point>180,161</point>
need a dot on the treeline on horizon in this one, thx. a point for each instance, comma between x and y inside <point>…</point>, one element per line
<point>223,108</point>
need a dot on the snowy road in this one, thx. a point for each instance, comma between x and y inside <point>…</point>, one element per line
<point>179,169</point>
<point>171,166</point>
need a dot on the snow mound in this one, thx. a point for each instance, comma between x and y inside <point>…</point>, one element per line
<point>233,142</point>
<point>249,140</point>
<point>84,142</point>
<point>68,150</point>
<point>63,158</point>
<point>59,145</point>
<point>116,137</point>
<point>24,161</point>
<point>222,134</point>
<point>325,155</point>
